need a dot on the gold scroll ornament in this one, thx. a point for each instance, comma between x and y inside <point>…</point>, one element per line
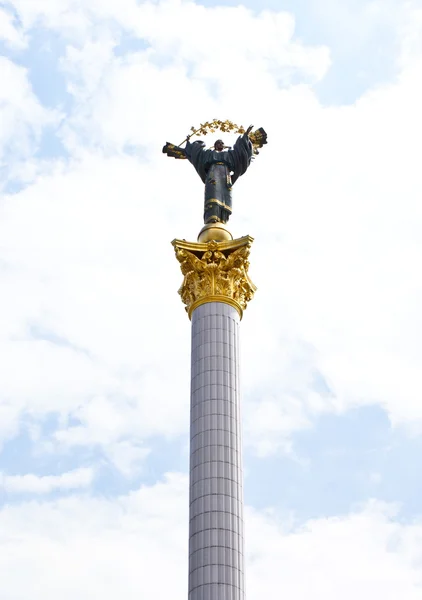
<point>215,272</point>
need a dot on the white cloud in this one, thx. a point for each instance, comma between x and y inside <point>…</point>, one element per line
<point>116,97</point>
<point>343,253</point>
<point>366,554</point>
<point>80,546</point>
<point>35,484</point>
<point>23,117</point>
<point>127,456</point>
<point>333,202</point>
<point>204,37</point>
<point>84,547</point>
<point>355,22</point>
<point>9,33</point>
<point>109,377</point>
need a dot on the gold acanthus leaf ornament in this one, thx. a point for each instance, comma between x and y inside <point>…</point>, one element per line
<point>215,272</point>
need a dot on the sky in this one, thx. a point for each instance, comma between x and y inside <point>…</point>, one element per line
<point>95,343</point>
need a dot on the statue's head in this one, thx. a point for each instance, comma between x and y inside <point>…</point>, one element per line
<point>219,145</point>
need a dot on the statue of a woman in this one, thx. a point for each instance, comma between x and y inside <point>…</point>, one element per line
<point>219,168</point>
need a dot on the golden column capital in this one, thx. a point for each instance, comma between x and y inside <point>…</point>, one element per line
<point>215,272</point>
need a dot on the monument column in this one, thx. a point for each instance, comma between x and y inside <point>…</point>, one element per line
<point>215,290</point>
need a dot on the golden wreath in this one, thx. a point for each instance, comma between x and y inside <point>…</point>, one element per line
<point>226,127</point>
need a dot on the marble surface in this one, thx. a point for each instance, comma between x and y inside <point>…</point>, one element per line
<point>216,545</point>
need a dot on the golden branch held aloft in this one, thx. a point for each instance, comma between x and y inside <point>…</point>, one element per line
<point>258,137</point>
<point>216,124</point>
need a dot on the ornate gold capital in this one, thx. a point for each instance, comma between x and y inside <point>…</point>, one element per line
<point>215,272</point>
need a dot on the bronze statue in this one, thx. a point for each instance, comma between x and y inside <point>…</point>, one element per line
<point>219,167</point>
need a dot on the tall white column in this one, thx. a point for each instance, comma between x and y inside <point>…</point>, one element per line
<point>216,290</point>
<point>216,544</point>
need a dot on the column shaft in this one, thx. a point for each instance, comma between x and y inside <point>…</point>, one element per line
<point>216,546</point>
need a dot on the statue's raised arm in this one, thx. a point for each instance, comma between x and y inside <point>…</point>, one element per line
<point>219,167</point>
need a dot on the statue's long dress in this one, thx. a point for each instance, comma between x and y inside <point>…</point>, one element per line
<point>219,171</point>
<point>218,195</point>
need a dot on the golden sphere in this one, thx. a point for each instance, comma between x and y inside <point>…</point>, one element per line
<point>214,232</point>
